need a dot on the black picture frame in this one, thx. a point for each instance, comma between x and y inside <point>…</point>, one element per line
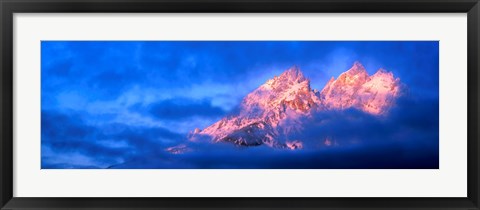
<point>9,7</point>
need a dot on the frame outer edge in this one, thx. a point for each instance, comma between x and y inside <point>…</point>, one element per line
<point>476,146</point>
<point>2,202</point>
<point>242,6</point>
<point>473,149</point>
<point>6,107</point>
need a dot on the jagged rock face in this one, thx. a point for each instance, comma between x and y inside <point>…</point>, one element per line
<point>285,103</point>
<point>354,88</point>
<point>289,90</point>
<point>269,112</point>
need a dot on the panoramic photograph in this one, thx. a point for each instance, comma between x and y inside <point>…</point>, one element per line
<point>239,105</point>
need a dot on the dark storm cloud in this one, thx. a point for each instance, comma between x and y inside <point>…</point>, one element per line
<point>64,135</point>
<point>114,77</point>
<point>405,138</point>
<point>407,115</point>
<point>114,82</point>
<point>106,69</point>
<point>180,108</point>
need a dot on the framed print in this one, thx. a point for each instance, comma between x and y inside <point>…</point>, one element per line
<point>239,105</point>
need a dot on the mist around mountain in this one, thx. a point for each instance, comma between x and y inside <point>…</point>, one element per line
<point>239,104</point>
<point>282,108</point>
<point>355,121</point>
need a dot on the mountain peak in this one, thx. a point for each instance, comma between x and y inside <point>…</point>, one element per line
<point>355,76</point>
<point>382,71</point>
<point>286,103</point>
<point>277,93</point>
<point>357,68</point>
<point>293,73</point>
<point>357,63</point>
<point>332,79</point>
<point>355,88</point>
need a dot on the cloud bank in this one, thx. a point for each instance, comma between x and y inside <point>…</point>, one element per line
<point>110,104</point>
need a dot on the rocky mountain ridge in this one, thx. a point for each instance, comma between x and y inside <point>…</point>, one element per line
<point>285,103</point>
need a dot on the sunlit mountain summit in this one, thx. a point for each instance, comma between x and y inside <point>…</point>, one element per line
<point>355,88</point>
<point>283,105</point>
<point>226,104</point>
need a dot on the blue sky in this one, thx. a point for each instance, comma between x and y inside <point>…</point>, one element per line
<point>104,101</point>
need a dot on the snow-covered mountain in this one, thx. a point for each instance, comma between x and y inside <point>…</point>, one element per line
<point>285,103</point>
<point>355,88</point>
